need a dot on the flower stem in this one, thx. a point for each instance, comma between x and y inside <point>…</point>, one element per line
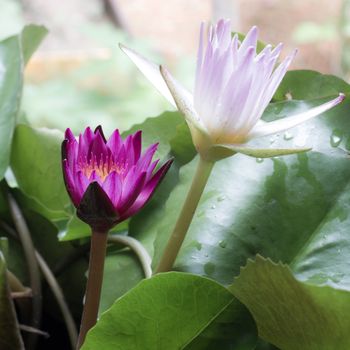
<point>94,283</point>
<point>138,249</point>
<point>184,220</point>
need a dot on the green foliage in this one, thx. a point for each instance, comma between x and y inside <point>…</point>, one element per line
<point>292,210</point>
<point>14,53</point>
<point>308,84</point>
<point>167,311</point>
<point>292,314</point>
<point>11,69</point>
<point>37,168</point>
<point>10,338</point>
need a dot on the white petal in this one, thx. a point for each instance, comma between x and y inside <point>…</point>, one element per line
<point>151,72</point>
<point>289,122</point>
<point>183,100</point>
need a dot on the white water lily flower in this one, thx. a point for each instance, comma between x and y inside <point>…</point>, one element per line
<point>233,86</point>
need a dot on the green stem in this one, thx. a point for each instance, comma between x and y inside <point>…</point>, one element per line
<point>138,249</point>
<point>58,294</point>
<point>32,264</point>
<point>94,283</point>
<point>178,235</point>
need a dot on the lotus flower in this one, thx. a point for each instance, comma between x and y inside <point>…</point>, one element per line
<point>108,181</point>
<point>233,86</point>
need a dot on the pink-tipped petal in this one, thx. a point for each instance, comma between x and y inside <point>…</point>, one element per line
<point>250,40</point>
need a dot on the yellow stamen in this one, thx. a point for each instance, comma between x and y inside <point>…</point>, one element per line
<point>102,168</point>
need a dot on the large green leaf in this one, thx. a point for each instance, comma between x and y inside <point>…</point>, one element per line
<point>161,129</point>
<point>122,272</point>
<point>308,84</point>
<point>291,314</point>
<point>14,53</point>
<point>167,311</point>
<point>11,70</point>
<point>31,37</point>
<point>10,338</point>
<point>36,163</point>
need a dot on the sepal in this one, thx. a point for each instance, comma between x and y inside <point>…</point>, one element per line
<point>218,152</point>
<point>96,209</point>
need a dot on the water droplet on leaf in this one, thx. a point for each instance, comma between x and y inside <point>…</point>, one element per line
<point>221,198</point>
<point>288,136</point>
<point>336,138</point>
<point>223,244</point>
<point>259,160</point>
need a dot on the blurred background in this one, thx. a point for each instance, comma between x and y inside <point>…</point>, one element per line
<point>79,76</point>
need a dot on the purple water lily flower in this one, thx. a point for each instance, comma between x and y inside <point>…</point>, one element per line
<point>233,86</point>
<point>108,181</point>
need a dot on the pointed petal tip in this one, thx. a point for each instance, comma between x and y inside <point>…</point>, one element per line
<point>68,135</point>
<point>341,97</point>
<point>64,149</point>
<point>99,131</point>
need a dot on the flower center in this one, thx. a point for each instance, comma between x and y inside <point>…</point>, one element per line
<point>102,167</point>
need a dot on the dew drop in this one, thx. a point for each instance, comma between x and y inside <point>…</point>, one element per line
<point>336,138</point>
<point>259,160</point>
<point>288,136</point>
<point>213,206</point>
<point>223,244</point>
<point>221,198</point>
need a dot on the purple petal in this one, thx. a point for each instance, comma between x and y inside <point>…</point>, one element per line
<point>98,149</point>
<point>137,145</point>
<point>114,142</point>
<point>146,158</point>
<point>150,169</point>
<point>129,152</point>
<point>148,190</point>
<point>95,178</point>
<point>85,140</point>
<point>81,183</point>
<point>70,183</point>
<point>113,187</point>
<point>121,156</point>
<point>69,135</point>
<point>99,130</point>
<point>132,187</point>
